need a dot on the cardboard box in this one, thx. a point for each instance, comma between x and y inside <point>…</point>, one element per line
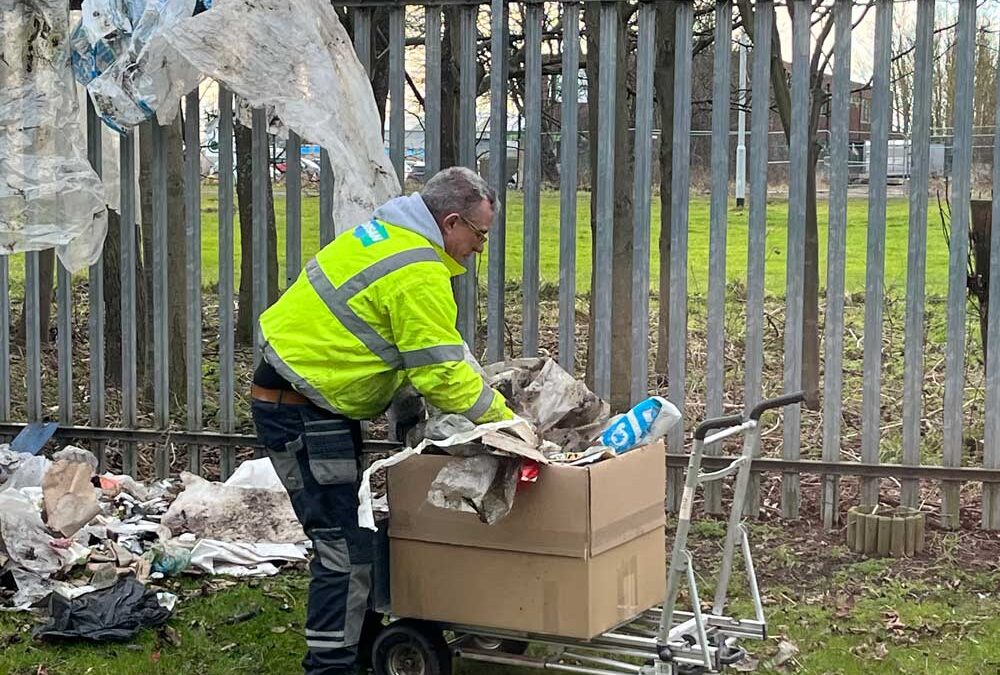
<point>582,550</point>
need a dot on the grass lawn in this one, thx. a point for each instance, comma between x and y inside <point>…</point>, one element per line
<point>736,262</point>
<point>832,610</point>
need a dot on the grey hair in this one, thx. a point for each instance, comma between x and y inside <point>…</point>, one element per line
<point>456,189</point>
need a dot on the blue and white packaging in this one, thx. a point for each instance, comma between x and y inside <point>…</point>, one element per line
<point>648,421</point>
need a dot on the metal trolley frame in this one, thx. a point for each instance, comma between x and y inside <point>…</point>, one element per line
<point>661,641</point>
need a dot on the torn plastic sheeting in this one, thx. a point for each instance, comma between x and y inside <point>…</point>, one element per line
<point>295,56</point>
<point>242,559</point>
<point>131,72</point>
<point>49,196</point>
<point>29,473</point>
<point>31,588</point>
<point>23,535</point>
<point>113,614</point>
<point>484,484</point>
<point>9,461</point>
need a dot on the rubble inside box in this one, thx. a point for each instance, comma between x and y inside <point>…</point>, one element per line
<point>559,421</point>
<point>90,549</point>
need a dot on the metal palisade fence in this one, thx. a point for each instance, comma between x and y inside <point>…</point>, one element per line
<point>504,41</point>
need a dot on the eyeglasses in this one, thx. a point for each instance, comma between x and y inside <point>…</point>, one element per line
<point>482,234</point>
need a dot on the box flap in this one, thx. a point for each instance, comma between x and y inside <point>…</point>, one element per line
<point>626,497</point>
<point>549,517</point>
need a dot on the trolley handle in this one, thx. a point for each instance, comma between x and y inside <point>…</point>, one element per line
<point>716,423</point>
<point>772,403</point>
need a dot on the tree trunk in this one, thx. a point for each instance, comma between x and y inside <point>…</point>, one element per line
<point>663,79</point>
<point>144,349</point>
<point>46,269</point>
<point>172,136</point>
<point>550,126</point>
<point>176,259</point>
<point>244,194</point>
<point>621,272</point>
<point>112,302</point>
<point>450,50</point>
<point>810,299</point>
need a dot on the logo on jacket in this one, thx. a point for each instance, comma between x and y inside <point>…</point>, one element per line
<point>371,233</point>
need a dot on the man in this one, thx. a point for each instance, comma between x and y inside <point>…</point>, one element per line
<point>373,310</point>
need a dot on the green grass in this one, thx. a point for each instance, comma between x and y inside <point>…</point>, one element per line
<point>844,614</point>
<point>736,260</point>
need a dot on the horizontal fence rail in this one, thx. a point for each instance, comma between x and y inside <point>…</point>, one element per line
<point>619,249</point>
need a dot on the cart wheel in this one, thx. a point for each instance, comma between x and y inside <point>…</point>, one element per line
<point>409,647</point>
<point>489,644</point>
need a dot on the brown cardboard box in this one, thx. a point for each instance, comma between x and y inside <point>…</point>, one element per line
<point>581,551</point>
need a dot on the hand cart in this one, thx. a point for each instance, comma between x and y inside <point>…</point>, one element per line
<point>661,641</point>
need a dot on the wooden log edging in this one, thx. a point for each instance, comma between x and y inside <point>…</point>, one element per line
<point>885,531</point>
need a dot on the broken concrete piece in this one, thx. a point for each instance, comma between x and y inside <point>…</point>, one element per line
<point>72,453</point>
<point>70,502</point>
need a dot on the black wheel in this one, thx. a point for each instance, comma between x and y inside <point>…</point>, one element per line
<point>490,644</point>
<point>409,647</point>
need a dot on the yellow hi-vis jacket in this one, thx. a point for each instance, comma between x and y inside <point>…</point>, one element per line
<point>373,309</point>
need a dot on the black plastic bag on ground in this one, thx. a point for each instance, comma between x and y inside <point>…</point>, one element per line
<point>114,614</point>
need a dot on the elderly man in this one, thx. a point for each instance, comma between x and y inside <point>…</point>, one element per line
<point>372,311</point>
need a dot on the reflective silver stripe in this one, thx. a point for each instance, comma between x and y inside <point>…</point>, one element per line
<point>324,633</point>
<point>385,267</point>
<point>326,644</point>
<point>431,355</point>
<point>358,588</point>
<point>293,378</point>
<point>336,302</point>
<point>482,403</point>
<point>336,299</point>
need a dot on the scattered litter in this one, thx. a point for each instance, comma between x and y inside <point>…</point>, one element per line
<point>647,421</point>
<point>113,614</point>
<point>166,600</point>
<point>9,461</point>
<point>170,558</point>
<point>61,534</point>
<point>70,502</point>
<point>71,453</point>
<point>484,484</point>
<point>28,473</point>
<point>243,616</point>
<point>243,560</point>
<point>230,512</point>
<point>23,536</point>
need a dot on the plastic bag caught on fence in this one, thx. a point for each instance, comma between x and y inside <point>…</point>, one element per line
<point>49,196</point>
<point>119,53</point>
<point>295,56</point>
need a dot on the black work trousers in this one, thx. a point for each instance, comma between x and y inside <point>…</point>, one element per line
<point>317,456</point>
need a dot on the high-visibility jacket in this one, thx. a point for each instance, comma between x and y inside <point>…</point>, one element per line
<point>372,310</point>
